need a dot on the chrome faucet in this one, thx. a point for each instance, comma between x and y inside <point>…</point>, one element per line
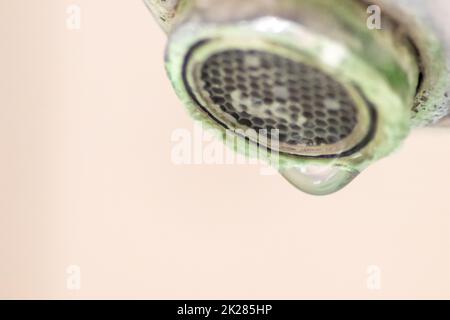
<point>338,84</point>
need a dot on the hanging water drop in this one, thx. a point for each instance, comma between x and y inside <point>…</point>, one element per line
<point>319,180</point>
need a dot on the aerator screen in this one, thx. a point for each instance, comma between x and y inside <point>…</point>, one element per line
<point>262,90</point>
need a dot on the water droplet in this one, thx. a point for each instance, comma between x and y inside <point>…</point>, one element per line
<point>319,180</point>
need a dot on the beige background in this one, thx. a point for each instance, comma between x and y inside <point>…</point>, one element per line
<point>86,179</point>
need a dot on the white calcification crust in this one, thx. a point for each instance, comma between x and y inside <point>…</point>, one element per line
<point>428,26</point>
<point>164,11</point>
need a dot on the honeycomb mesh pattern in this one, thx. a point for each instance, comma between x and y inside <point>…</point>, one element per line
<point>264,91</point>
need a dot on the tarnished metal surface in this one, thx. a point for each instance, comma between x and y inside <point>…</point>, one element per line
<point>399,73</point>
